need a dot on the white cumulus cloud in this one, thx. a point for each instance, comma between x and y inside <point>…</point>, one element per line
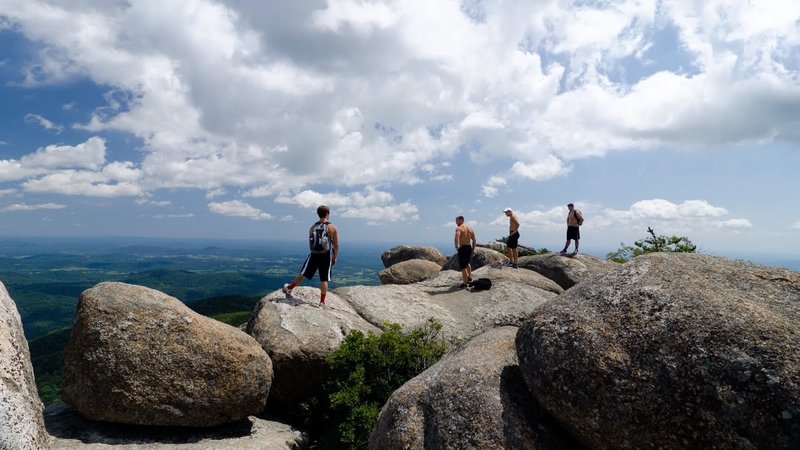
<point>28,207</point>
<point>276,99</point>
<point>238,208</point>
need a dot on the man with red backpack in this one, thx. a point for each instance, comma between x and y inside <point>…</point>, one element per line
<point>574,221</point>
<point>323,243</point>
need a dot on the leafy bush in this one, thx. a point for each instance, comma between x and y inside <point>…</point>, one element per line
<point>652,244</point>
<point>366,370</point>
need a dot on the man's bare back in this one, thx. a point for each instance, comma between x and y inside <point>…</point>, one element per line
<point>465,235</point>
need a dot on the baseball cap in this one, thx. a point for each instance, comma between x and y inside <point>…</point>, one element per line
<point>507,210</point>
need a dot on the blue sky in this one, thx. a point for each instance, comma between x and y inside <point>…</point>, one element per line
<point>235,119</point>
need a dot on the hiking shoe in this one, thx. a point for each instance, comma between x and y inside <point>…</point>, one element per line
<point>514,266</point>
<point>286,291</point>
<point>321,305</point>
<point>563,252</point>
<point>575,252</point>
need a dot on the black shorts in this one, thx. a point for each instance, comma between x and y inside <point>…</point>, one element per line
<point>573,232</point>
<point>513,240</point>
<point>315,262</point>
<point>464,255</point>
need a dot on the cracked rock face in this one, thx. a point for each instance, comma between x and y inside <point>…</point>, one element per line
<point>138,356</point>
<point>21,423</point>
<point>682,350</point>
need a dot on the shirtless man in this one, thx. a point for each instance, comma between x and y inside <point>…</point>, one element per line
<point>574,218</point>
<point>465,247</point>
<point>513,237</point>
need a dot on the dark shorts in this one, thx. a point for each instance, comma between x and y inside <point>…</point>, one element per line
<point>464,254</point>
<point>573,232</point>
<point>318,262</point>
<point>513,240</point>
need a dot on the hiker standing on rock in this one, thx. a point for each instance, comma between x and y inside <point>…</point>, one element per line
<point>513,237</point>
<point>574,221</point>
<point>323,242</point>
<point>465,243</point>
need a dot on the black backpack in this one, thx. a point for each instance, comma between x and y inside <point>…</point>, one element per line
<point>318,239</point>
<point>481,284</point>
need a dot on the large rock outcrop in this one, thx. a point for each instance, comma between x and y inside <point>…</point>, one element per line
<point>463,314</point>
<point>407,252</point>
<point>474,398</point>
<point>678,350</point>
<point>566,270</point>
<point>407,272</point>
<point>482,257</point>
<point>71,431</point>
<point>21,424</point>
<point>298,336</point>
<point>139,356</point>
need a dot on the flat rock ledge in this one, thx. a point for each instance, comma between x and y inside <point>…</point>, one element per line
<point>514,295</point>
<point>69,430</point>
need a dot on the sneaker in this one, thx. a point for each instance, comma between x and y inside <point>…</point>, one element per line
<point>575,252</point>
<point>286,291</point>
<point>321,305</point>
<point>514,266</point>
<point>563,252</point>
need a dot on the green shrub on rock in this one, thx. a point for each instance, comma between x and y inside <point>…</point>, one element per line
<point>366,370</point>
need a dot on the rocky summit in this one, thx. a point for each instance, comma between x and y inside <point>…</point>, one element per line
<point>667,351</point>
<point>671,351</point>
<point>139,356</point>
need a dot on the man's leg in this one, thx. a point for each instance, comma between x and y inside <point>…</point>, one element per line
<point>464,276</point>
<point>576,245</point>
<point>566,246</point>
<point>323,291</point>
<point>287,288</point>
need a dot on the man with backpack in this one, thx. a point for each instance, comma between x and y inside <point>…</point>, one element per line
<point>323,243</point>
<point>574,221</point>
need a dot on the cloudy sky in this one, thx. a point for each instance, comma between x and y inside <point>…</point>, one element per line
<point>236,118</point>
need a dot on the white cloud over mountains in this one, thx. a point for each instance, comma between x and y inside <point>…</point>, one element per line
<point>275,99</point>
<point>688,216</point>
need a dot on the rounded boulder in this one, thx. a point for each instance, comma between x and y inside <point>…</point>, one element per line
<point>408,272</point>
<point>407,252</point>
<point>138,356</point>
<point>683,350</point>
